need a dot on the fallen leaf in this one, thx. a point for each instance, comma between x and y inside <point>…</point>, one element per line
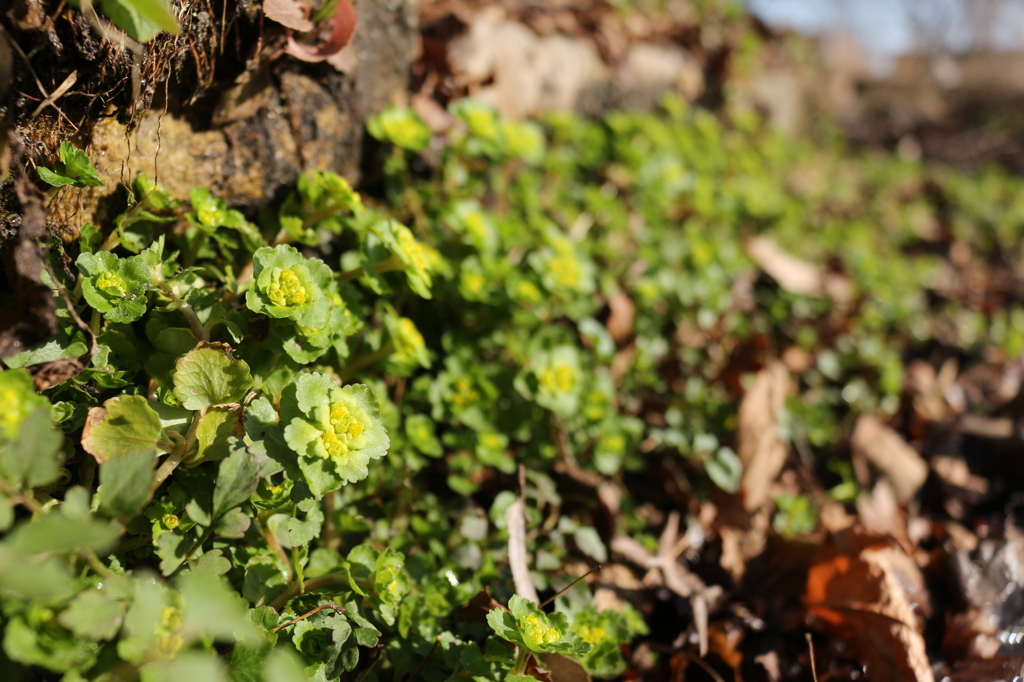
<point>518,558</point>
<point>665,569</point>
<point>884,448</point>
<point>760,449</point>
<point>343,27</point>
<point>290,13</point>
<point>433,114</point>
<point>562,668</point>
<point>621,317</point>
<point>617,575</point>
<point>879,512</point>
<point>867,591</point>
<point>511,68</point>
<point>793,274</point>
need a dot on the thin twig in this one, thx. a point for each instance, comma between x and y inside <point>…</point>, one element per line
<point>295,589</point>
<point>337,609</point>
<point>376,659</point>
<point>568,587</point>
<point>39,83</point>
<point>51,100</point>
<point>810,646</point>
<point>423,663</point>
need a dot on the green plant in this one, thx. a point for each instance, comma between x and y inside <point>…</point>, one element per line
<point>292,446</point>
<point>142,20</point>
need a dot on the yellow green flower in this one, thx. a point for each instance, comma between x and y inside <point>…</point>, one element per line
<point>169,640</point>
<point>111,284</point>
<point>19,398</point>
<point>527,292</point>
<point>537,633</point>
<point>463,392</point>
<point>287,285</point>
<point>286,288</point>
<point>335,431</point>
<point>401,127</point>
<point>558,378</point>
<point>563,268</point>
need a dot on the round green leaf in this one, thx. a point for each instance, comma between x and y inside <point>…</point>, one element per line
<point>209,375</point>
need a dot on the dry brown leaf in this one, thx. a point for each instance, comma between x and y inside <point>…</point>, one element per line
<point>742,542</point>
<point>648,67</point>
<point>955,472</point>
<point>665,569</point>
<point>884,448</point>
<point>867,591</point>
<point>518,558</point>
<point>793,274</point>
<point>879,512</point>
<point>797,360</point>
<point>518,72</point>
<point>562,668</point>
<point>607,600</point>
<point>290,13</point>
<point>621,317</point>
<point>760,449</point>
<point>433,114</point>
<point>618,576</point>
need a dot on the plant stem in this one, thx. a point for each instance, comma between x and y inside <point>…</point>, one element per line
<point>111,242</point>
<point>350,274</point>
<point>95,563</point>
<point>167,468</point>
<point>188,311</point>
<point>389,265</point>
<point>181,449</point>
<point>522,658</point>
<point>366,361</point>
<point>27,501</point>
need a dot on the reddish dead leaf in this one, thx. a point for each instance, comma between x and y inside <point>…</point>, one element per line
<point>867,591</point>
<point>290,13</point>
<point>623,313</point>
<point>760,449</point>
<point>884,448</point>
<point>724,639</point>
<point>343,27</point>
